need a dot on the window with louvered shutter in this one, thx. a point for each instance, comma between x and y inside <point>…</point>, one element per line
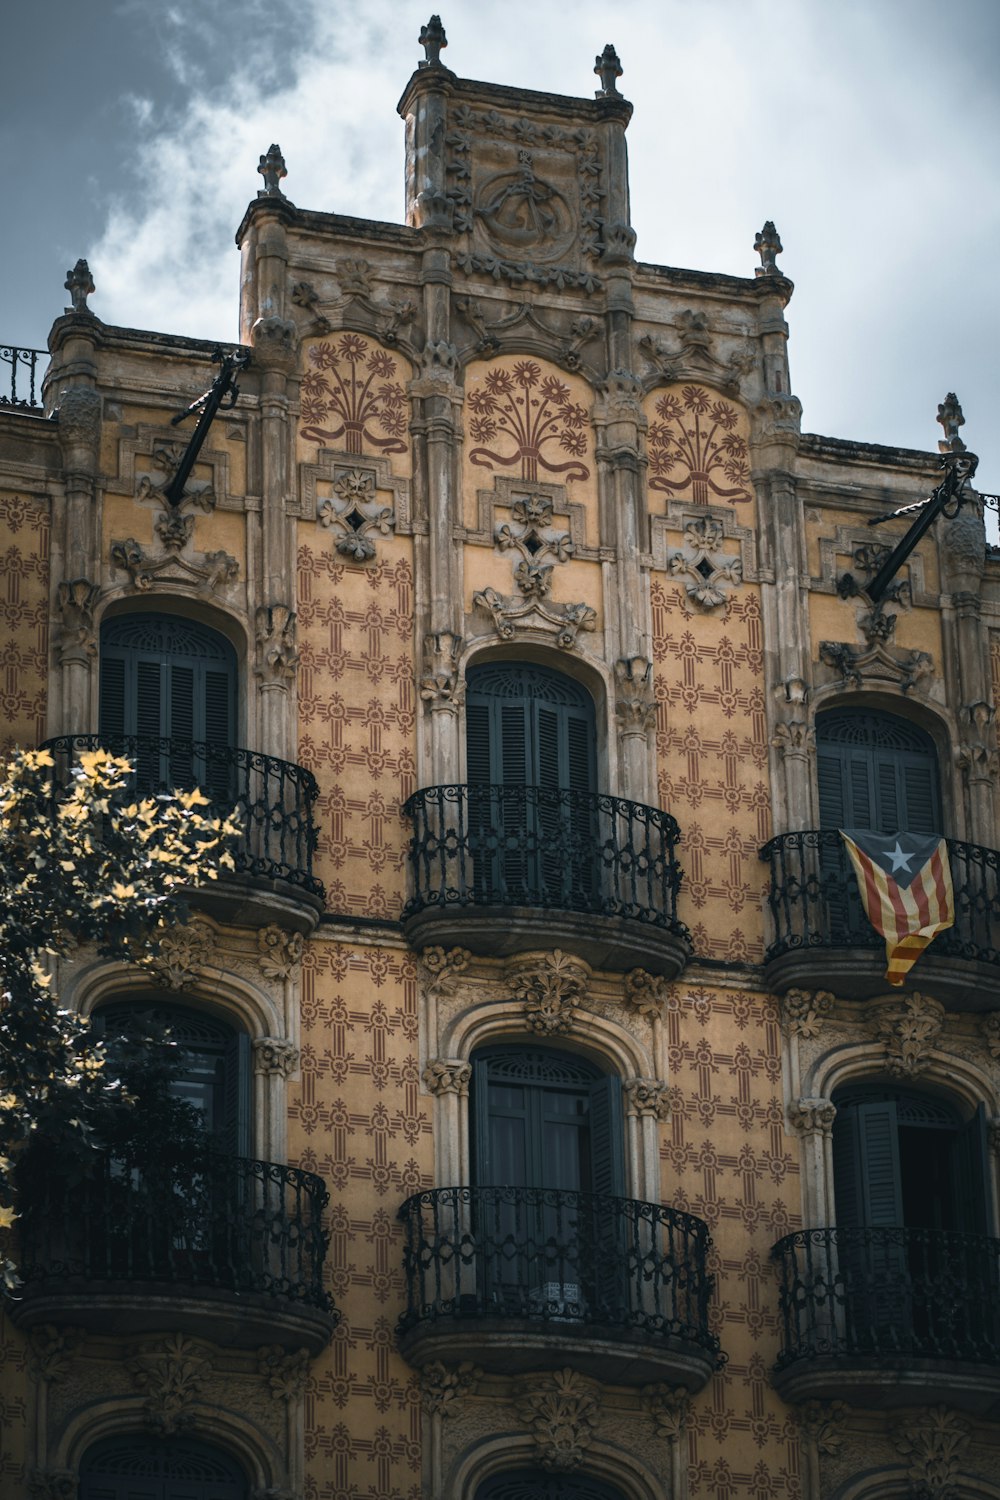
<point>139,1466</point>
<point>535,1484</point>
<point>876,771</point>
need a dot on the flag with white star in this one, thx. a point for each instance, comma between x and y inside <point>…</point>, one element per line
<point>906,891</point>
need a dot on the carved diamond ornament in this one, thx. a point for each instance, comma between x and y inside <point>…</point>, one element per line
<point>709,575</point>
<point>354,514</point>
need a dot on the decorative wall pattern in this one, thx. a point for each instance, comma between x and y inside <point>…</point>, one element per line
<point>698,444</point>
<point>712,756</point>
<point>24,608</point>
<point>354,396</point>
<point>530,419</point>
<point>357,712</point>
<point>358,1119</point>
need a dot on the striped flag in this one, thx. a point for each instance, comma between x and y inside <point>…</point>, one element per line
<point>906,890</point>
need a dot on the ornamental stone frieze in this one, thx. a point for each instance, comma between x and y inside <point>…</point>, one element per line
<point>551,987</point>
<point>209,572</point>
<point>878,664</point>
<point>694,355</point>
<point>803,1011</point>
<point>560,1411</point>
<point>448,1075</point>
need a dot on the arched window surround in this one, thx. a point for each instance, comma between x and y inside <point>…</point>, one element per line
<point>608,1463</point>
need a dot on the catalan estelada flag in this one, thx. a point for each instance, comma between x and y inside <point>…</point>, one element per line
<point>906,890</point>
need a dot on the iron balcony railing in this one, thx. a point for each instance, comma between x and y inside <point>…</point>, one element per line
<point>815,902</point>
<point>272,799</point>
<point>529,846</point>
<point>889,1294</point>
<point>223,1222</point>
<point>557,1258</point>
<point>21,381</point>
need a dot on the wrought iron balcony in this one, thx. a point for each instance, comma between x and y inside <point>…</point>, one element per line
<point>822,938</point>
<point>516,1277</point>
<point>890,1317</point>
<point>504,868</point>
<point>272,800</point>
<point>221,1245</point>
<point>21,382</point>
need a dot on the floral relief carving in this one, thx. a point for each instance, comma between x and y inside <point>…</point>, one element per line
<point>273,1055</point>
<point>278,951</point>
<point>285,1373</point>
<point>441,1385</point>
<point>812,1116</point>
<point>353,394</point>
<point>709,575</point>
<point>524,418</point>
<point>647,1098</point>
<point>932,1443</point>
<point>209,572</point>
<point>530,531</point>
<point>182,953</point>
<point>635,705</point>
<point>647,994</point>
<point>877,663</point>
<point>820,1423</point>
<point>354,514</point>
<point>551,988</point>
<point>667,1407</point>
<point>51,1351</point>
<point>443,966</point>
<point>52,1484</point>
<point>560,1410</point>
<point>171,1374</point>
<point>696,449</point>
<point>908,1028</point>
<point>175,524</point>
<point>440,684</point>
<point>277,651</point>
<point>76,639</point>
<point>567,619</point>
<point>803,1011</point>
<point>448,1075</point>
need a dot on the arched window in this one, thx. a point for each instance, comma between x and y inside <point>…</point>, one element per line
<point>531,772</point>
<point>142,1467</point>
<point>535,1484</point>
<point>214,1067</point>
<point>170,684</point>
<point>876,771</point>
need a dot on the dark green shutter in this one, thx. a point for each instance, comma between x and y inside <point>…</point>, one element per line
<point>482,1164</point>
<point>113,697</point>
<point>235,1132</point>
<point>971,1177</point>
<point>477,732</point>
<point>846,1169</point>
<point>607,1146</point>
<point>876,771</point>
<point>878,1142</point>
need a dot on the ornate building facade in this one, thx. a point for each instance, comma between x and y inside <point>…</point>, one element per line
<point>569,1140</point>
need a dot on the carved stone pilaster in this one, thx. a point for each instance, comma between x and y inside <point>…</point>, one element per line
<point>802,1011</point>
<point>647,1098</point>
<point>443,1386</point>
<point>635,705</point>
<point>977,755</point>
<point>647,994</point>
<point>278,952</point>
<point>448,1075</point>
<point>932,1443</point>
<point>550,987</point>
<point>285,1372</point>
<point>440,685</point>
<point>274,1056</point>
<point>907,1029</point>
<point>277,651</point>
<point>560,1411</point>
<point>668,1408</point>
<point>812,1116</point>
<point>76,639</point>
<point>171,1374</point>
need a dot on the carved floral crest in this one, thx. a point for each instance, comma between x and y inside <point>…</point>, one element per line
<point>550,986</point>
<point>560,1411</point>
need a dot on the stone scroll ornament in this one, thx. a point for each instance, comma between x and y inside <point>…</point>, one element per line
<point>525,420</point>
<point>696,448</point>
<point>353,397</point>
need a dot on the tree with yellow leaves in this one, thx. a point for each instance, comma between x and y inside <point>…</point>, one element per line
<point>82,861</point>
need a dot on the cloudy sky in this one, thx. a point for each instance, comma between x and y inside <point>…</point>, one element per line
<point>867,129</point>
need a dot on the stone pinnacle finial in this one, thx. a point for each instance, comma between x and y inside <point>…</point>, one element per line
<point>432,38</point>
<point>951,418</point>
<point>608,69</point>
<point>79,283</point>
<point>272,168</point>
<point>767,245</point>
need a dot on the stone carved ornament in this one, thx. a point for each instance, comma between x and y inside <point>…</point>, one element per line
<point>448,1075</point>
<point>709,575</point>
<point>989,1026</point>
<point>278,951</point>
<point>52,1484</point>
<point>820,1422</point>
<point>908,1029</point>
<point>802,1011</point>
<point>277,651</point>
<point>812,1116</point>
<point>175,524</point>
<point>211,572</point>
<point>507,612</point>
<point>441,1385</point>
<point>667,1407</point>
<point>551,987</point>
<point>285,1372</point>
<point>274,1056</point>
<point>560,1410</point>
<point>440,683</point>
<point>354,514</point>
<point>647,1097</point>
<point>51,1351</point>
<point>647,994</point>
<point>183,953</point>
<point>171,1374</point>
<point>443,966</point>
<point>76,639</point>
<point>635,705</point>
<point>932,1443</point>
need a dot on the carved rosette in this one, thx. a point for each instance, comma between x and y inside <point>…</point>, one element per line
<point>635,705</point>
<point>274,1056</point>
<point>908,1028</point>
<point>278,952</point>
<point>550,986</point>
<point>171,1375</point>
<point>932,1443</point>
<point>560,1411</point>
<point>812,1116</point>
<point>182,954</point>
<point>647,1098</point>
<point>803,1011</point>
<point>442,1386</point>
<point>442,967</point>
<point>667,1407</point>
<point>448,1075</point>
<point>285,1373</point>
<point>647,994</point>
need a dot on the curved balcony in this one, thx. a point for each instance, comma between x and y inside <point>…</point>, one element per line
<point>823,940</point>
<point>520,1279</point>
<point>890,1317</point>
<point>224,1247</point>
<point>272,800</point>
<point>502,869</point>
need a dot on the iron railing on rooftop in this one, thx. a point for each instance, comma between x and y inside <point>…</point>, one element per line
<point>21,376</point>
